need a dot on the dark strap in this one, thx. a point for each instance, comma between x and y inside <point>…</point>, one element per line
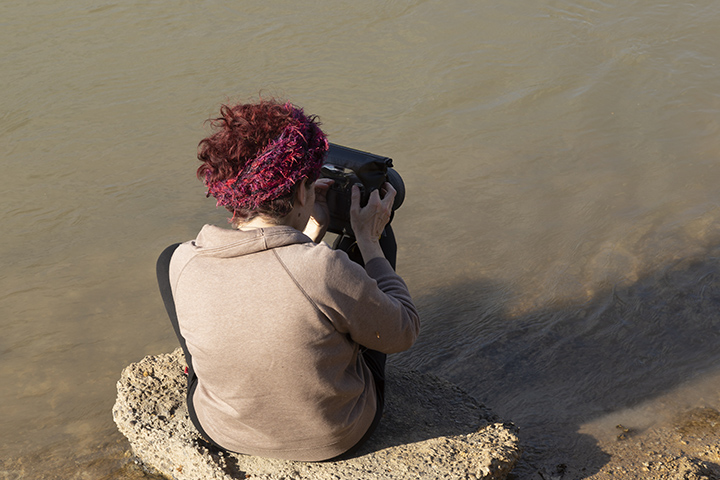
<point>163,278</point>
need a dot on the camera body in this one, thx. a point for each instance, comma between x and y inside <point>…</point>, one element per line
<point>348,167</point>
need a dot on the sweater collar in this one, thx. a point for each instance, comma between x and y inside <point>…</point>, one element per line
<point>224,242</point>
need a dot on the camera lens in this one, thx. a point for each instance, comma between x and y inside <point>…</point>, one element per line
<point>396,181</point>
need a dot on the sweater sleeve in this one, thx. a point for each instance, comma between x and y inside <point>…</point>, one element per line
<point>372,305</point>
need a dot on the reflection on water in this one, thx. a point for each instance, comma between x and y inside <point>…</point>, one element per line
<point>559,233</point>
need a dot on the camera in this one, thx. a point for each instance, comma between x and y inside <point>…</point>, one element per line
<point>348,167</point>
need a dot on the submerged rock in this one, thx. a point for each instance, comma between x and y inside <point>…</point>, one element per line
<point>430,429</point>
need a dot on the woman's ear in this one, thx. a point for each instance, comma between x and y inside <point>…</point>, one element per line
<point>301,193</point>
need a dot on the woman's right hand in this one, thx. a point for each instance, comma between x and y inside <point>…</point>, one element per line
<point>369,221</point>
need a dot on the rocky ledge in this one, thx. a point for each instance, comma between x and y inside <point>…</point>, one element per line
<point>430,429</point>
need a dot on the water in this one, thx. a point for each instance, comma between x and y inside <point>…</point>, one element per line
<point>560,233</point>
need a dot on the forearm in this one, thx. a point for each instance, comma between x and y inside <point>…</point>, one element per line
<point>369,248</point>
<point>392,321</point>
<point>315,231</point>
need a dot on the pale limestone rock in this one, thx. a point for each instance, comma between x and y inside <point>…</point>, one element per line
<point>430,429</point>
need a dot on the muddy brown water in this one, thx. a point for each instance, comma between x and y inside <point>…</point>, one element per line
<point>560,232</point>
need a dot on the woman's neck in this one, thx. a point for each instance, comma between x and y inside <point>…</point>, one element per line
<point>296,221</point>
<point>258,222</point>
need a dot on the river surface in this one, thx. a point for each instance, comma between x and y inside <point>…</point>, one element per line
<point>561,231</point>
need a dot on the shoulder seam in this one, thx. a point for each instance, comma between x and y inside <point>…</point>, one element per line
<point>297,284</point>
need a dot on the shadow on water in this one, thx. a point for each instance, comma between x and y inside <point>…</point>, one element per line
<point>553,368</point>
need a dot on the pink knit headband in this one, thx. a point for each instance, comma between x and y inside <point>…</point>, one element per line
<point>298,152</point>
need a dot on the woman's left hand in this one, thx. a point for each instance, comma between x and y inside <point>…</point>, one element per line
<point>321,212</point>
<point>320,218</point>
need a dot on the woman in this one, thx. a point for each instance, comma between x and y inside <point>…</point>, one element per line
<point>285,338</point>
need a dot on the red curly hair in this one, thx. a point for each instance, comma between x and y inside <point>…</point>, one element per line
<point>258,155</point>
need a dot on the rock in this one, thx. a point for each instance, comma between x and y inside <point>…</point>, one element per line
<point>694,469</point>
<point>430,429</point>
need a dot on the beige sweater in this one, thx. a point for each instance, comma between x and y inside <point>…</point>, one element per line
<point>274,322</point>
